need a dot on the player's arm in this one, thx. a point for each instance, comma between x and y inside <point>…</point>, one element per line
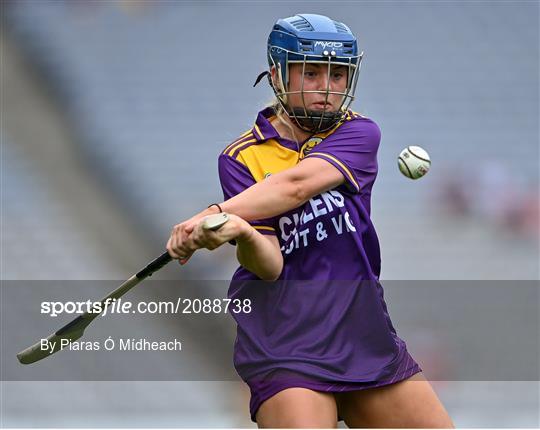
<point>279,192</point>
<point>285,190</point>
<point>260,255</point>
<point>275,195</point>
<point>257,253</point>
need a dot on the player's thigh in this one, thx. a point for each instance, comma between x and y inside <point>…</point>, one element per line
<point>298,408</point>
<point>411,403</point>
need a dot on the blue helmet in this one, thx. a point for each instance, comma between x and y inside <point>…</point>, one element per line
<point>309,38</point>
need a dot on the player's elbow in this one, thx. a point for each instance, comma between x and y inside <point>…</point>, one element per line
<point>301,193</point>
<point>270,275</point>
<point>265,261</point>
<point>269,269</point>
<point>265,273</point>
<point>274,273</point>
<point>297,190</point>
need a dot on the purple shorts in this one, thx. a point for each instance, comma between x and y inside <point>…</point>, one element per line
<point>266,386</point>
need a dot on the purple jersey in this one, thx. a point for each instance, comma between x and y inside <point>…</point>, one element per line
<point>326,316</point>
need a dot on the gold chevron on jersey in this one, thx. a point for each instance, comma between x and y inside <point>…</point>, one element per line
<point>244,138</point>
<point>257,132</point>
<point>235,150</point>
<point>261,132</point>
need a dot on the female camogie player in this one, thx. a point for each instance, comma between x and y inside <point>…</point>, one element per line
<point>318,345</point>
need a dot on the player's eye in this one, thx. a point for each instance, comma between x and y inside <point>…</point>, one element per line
<point>309,74</point>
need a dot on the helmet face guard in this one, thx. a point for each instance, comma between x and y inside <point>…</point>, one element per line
<point>314,120</point>
<point>313,39</point>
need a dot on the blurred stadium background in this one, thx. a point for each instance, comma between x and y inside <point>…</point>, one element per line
<point>114,112</point>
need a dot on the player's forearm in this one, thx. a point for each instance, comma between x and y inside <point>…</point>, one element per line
<point>275,195</point>
<point>259,255</point>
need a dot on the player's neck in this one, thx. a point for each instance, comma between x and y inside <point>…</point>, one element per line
<point>288,130</point>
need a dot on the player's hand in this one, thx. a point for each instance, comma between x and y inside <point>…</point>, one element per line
<point>236,228</point>
<point>179,245</point>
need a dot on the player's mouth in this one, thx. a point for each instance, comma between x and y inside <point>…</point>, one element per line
<point>321,106</point>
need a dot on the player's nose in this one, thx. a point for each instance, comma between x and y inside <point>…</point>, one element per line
<point>323,81</point>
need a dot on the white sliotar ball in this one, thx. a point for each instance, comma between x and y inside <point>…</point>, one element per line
<point>414,162</point>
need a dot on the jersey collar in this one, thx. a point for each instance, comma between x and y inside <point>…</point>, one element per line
<point>264,130</point>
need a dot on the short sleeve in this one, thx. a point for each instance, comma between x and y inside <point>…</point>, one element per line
<point>352,149</point>
<point>235,178</point>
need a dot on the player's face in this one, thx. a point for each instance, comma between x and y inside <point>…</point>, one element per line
<point>315,77</point>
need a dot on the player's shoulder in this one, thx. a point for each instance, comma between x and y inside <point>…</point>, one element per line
<point>246,139</point>
<point>356,121</point>
<point>355,127</point>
